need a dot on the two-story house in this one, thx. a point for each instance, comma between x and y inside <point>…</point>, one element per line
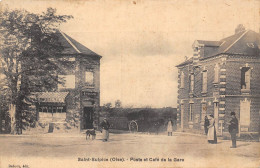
<point>221,77</point>
<point>76,100</point>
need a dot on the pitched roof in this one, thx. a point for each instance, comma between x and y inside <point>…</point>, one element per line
<point>188,61</point>
<point>72,47</point>
<point>209,43</point>
<point>243,43</point>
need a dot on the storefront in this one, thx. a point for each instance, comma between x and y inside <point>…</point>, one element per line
<point>51,106</point>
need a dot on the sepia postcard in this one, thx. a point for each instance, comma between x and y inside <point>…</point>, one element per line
<point>129,83</point>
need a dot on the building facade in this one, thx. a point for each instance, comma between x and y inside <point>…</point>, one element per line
<point>74,102</point>
<point>221,77</point>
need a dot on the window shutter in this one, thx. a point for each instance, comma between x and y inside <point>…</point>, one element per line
<point>204,82</point>
<point>182,80</point>
<point>216,77</point>
<point>191,83</point>
<point>247,79</point>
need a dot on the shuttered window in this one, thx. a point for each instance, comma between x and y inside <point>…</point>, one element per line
<point>182,80</point>
<point>191,83</point>
<point>191,112</point>
<point>216,76</point>
<point>204,81</point>
<point>245,78</point>
<point>89,77</point>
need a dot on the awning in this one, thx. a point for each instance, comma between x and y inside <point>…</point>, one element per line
<point>51,97</point>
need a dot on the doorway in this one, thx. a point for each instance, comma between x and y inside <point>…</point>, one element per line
<point>216,116</point>
<point>88,117</point>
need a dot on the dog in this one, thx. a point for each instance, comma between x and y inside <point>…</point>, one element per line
<point>90,132</point>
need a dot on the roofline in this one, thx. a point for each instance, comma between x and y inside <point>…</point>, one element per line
<point>235,41</point>
<point>183,64</point>
<point>98,56</point>
<point>229,54</point>
<point>68,40</point>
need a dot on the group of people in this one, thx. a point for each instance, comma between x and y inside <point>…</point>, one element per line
<point>210,130</point>
<point>209,126</point>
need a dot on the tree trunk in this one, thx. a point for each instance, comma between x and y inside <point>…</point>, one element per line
<point>16,125</point>
<point>12,112</point>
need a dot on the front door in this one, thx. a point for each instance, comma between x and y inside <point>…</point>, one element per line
<point>88,117</point>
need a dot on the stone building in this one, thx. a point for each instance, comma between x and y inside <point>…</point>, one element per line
<point>75,102</point>
<point>221,77</point>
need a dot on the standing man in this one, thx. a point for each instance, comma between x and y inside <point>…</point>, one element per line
<point>206,124</point>
<point>233,129</point>
<point>105,127</point>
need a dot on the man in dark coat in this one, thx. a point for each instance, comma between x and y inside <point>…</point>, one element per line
<point>233,129</point>
<point>105,127</point>
<point>206,124</point>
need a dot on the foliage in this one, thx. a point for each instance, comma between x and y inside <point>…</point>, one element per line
<point>118,104</point>
<point>148,119</point>
<point>29,46</point>
<point>107,106</point>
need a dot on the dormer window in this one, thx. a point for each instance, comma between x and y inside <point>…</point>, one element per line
<point>251,45</point>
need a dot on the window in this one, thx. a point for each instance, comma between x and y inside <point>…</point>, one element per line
<point>204,81</point>
<point>216,76</point>
<point>245,112</point>
<point>52,109</point>
<point>68,81</point>
<point>89,77</point>
<point>245,78</point>
<point>191,112</point>
<point>182,80</point>
<point>251,45</point>
<point>191,83</point>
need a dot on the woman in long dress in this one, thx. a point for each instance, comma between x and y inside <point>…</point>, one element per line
<point>105,129</point>
<point>212,136</point>
<point>169,128</point>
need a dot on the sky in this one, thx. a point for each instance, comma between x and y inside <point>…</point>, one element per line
<point>141,41</point>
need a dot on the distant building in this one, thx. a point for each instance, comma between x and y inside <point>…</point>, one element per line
<point>76,102</point>
<point>221,77</point>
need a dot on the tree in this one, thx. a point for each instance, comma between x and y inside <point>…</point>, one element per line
<point>107,105</point>
<point>118,104</point>
<point>28,45</point>
<point>240,28</point>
